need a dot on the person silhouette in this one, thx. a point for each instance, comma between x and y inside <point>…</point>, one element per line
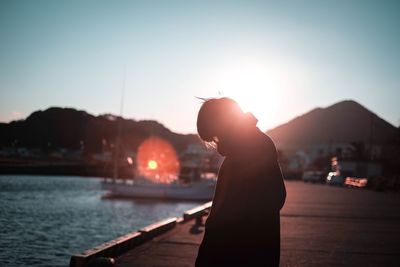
<point>243,227</point>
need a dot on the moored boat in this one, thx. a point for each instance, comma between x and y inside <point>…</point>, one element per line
<point>143,188</point>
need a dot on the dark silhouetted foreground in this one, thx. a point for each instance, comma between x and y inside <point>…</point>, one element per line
<point>243,228</point>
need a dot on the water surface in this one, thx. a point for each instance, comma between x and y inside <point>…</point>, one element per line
<point>45,219</point>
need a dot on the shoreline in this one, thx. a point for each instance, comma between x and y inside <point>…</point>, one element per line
<point>63,168</point>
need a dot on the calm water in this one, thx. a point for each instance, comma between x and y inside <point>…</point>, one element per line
<point>45,219</point>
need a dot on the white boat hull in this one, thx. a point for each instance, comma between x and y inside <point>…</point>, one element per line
<point>195,191</point>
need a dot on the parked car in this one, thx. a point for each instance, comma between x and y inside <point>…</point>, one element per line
<point>313,176</point>
<point>334,178</point>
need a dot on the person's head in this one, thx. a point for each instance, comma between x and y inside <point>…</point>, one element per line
<point>219,119</point>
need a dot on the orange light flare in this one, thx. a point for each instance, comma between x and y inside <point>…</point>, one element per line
<point>152,164</point>
<point>157,161</point>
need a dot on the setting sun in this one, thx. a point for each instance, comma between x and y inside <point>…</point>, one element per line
<point>260,88</point>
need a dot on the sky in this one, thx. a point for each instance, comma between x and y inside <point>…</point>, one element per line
<point>278,59</point>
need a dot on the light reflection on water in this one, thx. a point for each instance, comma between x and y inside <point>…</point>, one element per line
<point>45,219</point>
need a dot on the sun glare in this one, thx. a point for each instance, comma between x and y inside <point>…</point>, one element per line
<point>259,88</point>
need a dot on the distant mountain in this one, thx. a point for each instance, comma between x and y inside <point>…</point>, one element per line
<point>73,129</point>
<point>346,121</point>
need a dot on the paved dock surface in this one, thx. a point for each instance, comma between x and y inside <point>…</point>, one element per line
<point>320,226</point>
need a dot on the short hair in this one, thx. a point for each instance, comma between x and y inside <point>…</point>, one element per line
<point>216,113</point>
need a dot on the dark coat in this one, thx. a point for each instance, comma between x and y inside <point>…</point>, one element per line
<point>243,228</point>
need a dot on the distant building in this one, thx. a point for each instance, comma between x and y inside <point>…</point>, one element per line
<point>105,157</point>
<point>356,167</point>
<point>323,150</point>
<point>305,158</point>
<point>197,160</point>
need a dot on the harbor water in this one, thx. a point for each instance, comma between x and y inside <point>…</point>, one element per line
<point>46,219</point>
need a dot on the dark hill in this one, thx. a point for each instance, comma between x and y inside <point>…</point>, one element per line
<point>72,129</point>
<point>346,121</point>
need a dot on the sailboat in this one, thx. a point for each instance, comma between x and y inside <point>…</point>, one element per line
<point>158,174</point>
<point>151,181</point>
<point>142,188</point>
<point>155,176</point>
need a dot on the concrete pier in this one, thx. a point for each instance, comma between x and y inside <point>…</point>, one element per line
<point>320,226</point>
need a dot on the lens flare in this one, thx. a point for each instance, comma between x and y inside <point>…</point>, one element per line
<point>152,164</point>
<point>157,161</point>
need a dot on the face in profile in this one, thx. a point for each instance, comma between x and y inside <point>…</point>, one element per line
<point>219,121</point>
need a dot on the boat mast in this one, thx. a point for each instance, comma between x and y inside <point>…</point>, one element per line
<point>118,138</point>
